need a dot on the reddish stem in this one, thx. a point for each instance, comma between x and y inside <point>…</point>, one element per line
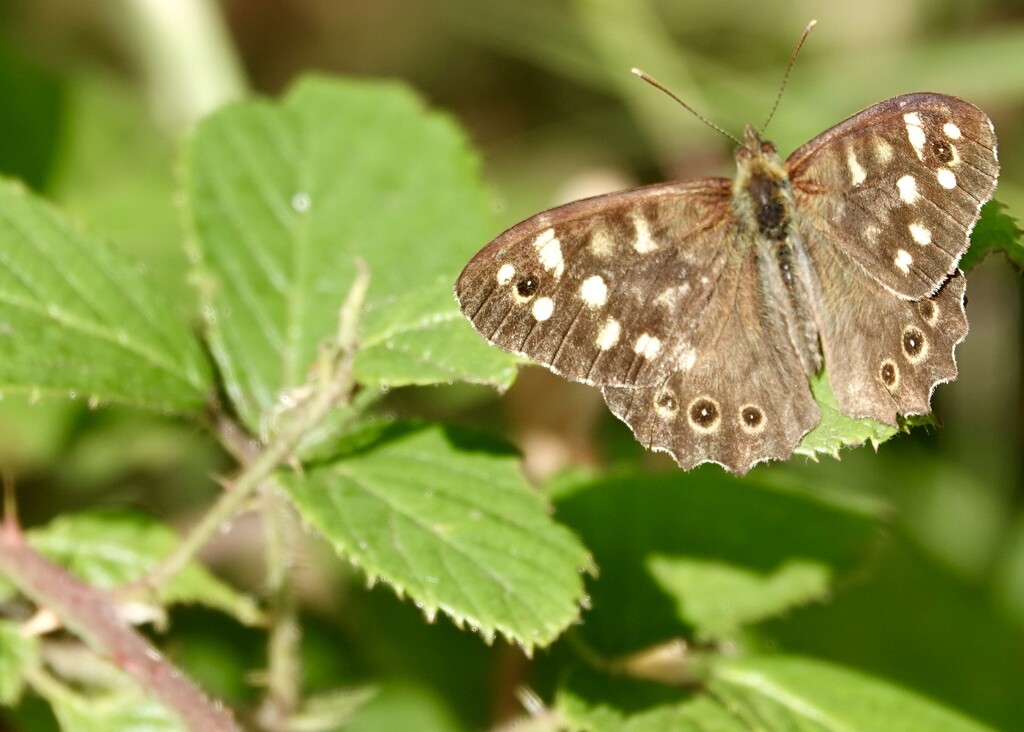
<point>90,614</point>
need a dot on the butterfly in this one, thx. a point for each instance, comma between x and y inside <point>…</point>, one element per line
<point>702,307</point>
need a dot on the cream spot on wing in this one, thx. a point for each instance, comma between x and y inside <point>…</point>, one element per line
<point>549,249</point>
<point>903,260</point>
<point>647,345</point>
<point>883,150</point>
<point>543,308</point>
<point>670,296</point>
<point>857,174</point>
<point>951,131</point>
<point>608,336</point>
<point>915,133</point>
<point>946,177</point>
<point>687,358</point>
<point>505,273</point>
<point>907,186</point>
<point>643,243</point>
<point>594,291</point>
<point>601,243</point>
<point>920,234</point>
<point>871,231</point>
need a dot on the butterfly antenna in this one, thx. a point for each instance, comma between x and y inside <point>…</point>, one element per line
<point>658,85</point>
<point>785,79</point>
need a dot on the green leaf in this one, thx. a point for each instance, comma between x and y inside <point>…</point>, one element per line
<point>759,693</point>
<point>995,231</point>
<point>445,516</point>
<point>109,549</point>
<point>401,705</point>
<point>76,320</point>
<point>124,709</point>
<point>283,199</point>
<point>330,710</point>
<point>419,338</point>
<point>16,653</point>
<point>704,553</point>
<point>719,598</point>
<point>836,430</point>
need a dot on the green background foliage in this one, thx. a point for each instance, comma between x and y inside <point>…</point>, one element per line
<point>171,239</point>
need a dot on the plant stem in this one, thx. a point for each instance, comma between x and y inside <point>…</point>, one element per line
<point>186,55</point>
<point>331,393</point>
<point>284,679</point>
<point>93,617</point>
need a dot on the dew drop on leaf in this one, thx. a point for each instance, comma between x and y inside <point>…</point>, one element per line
<point>301,202</point>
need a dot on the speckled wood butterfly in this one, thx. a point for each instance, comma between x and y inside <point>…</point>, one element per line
<point>701,307</point>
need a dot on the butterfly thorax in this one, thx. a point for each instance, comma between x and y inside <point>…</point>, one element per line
<point>762,197</point>
<point>763,204</point>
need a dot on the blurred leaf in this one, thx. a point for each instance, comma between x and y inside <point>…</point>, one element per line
<point>720,598</point>
<point>704,551</point>
<point>116,173</point>
<point>836,430</point>
<point>996,231</point>
<point>403,706</point>
<point>74,320</point>
<point>111,548</point>
<point>445,516</point>
<point>759,693</point>
<point>330,710</point>
<point>896,623</point>
<point>282,201</point>
<point>124,709</point>
<point>31,120</point>
<point>17,653</point>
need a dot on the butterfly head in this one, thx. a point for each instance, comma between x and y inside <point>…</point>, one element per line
<point>754,147</point>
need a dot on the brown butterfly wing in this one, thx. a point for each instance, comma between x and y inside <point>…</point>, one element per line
<point>643,267</point>
<point>898,187</point>
<point>886,203</point>
<point>699,366</point>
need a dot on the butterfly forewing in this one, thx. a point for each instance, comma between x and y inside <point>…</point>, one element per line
<point>609,290</point>
<point>898,187</point>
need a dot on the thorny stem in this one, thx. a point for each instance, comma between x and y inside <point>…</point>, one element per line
<point>283,669</point>
<point>92,615</point>
<point>334,392</point>
<point>10,529</point>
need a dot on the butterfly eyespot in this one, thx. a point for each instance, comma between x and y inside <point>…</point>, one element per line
<point>915,345</point>
<point>943,150</point>
<point>526,287</point>
<point>666,405</point>
<point>752,419</point>
<point>889,373</point>
<point>703,414</point>
<point>929,311</point>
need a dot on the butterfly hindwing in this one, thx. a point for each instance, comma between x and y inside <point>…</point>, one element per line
<point>885,355</point>
<point>898,187</point>
<point>741,398</point>
<point>608,290</point>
